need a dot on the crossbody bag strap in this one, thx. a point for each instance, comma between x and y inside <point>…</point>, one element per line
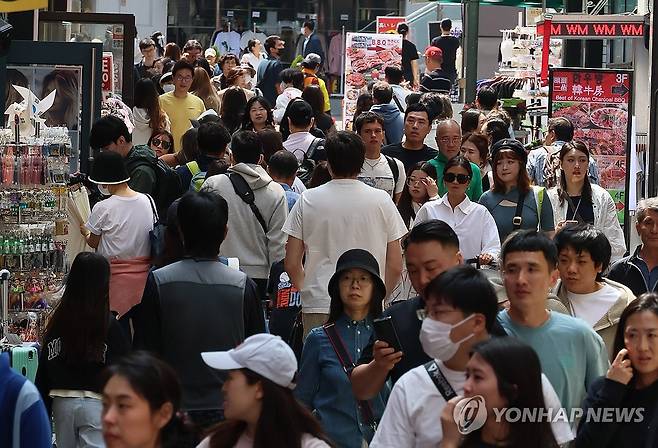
<point>346,362</point>
<point>244,191</point>
<point>577,216</point>
<point>397,103</point>
<point>440,381</point>
<point>156,218</point>
<point>518,214</point>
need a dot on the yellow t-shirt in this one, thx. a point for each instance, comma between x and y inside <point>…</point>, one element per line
<point>180,112</point>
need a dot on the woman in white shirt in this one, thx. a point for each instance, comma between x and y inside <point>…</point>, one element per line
<point>253,57</point>
<point>472,222</point>
<point>576,199</point>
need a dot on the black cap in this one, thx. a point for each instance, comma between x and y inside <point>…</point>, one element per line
<point>300,112</point>
<point>403,28</point>
<point>511,145</point>
<point>357,259</point>
<point>109,169</point>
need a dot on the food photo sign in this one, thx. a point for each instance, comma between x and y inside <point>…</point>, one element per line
<point>366,57</point>
<point>598,101</point>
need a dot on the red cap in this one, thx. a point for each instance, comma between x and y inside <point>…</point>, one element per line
<point>433,53</point>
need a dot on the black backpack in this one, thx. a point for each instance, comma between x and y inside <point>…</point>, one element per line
<point>167,188</point>
<point>313,154</point>
<point>392,164</point>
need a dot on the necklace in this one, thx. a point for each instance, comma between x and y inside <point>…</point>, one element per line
<point>372,166</point>
<point>575,212</point>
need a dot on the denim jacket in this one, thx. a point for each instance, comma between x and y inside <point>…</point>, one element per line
<point>324,387</point>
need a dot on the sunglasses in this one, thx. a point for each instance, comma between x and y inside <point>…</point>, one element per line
<point>460,178</point>
<point>164,144</point>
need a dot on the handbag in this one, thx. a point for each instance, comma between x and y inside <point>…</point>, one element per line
<point>157,233</point>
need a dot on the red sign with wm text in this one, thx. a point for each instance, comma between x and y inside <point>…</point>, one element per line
<point>593,30</point>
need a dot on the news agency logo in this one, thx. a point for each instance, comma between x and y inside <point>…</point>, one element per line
<point>470,414</point>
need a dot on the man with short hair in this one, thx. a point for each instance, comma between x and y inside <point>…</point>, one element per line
<point>639,271</point>
<point>583,256</point>
<point>409,57</point>
<point>312,42</point>
<point>394,77</point>
<point>310,67</point>
<point>269,70</point>
<point>486,100</point>
<point>449,45</point>
<point>301,142</point>
<point>529,270</point>
<point>255,238</point>
<point>436,79</point>
<point>212,140</point>
<point>110,133</point>
<point>180,105</point>
<point>382,96</point>
<point>413,149</point>
<point>198,304</point>
<point>193,54</point>
<point>146,67</point>
<point>317,226</point>
<point>448,139</point>
<point>378,170</point>
<point>282,167</point>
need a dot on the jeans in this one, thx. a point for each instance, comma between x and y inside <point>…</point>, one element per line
<point>78,422</point>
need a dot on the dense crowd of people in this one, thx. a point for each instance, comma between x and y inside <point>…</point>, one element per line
<point>261,279</point>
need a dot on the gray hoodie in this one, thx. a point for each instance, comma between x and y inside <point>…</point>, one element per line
<point>245,239</point>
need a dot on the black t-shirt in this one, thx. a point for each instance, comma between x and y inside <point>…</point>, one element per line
<point>409,157</point>
<point>409,53</point>
<point>585,209</point>
<point>436,81</point>
<point>449,46</point>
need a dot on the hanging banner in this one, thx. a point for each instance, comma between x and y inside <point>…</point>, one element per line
<point>598,101</point>
<point>107,77</point>
<point>366,57</point>
<point>22,5</point>
<point>389,24</point>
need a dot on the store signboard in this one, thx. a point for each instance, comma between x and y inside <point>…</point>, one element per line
<point>22,5</point>
<point>389,24</point>
<point>598,101</point>
<point>366,57</point>
<point>107,77</point>
<point>594,27</point>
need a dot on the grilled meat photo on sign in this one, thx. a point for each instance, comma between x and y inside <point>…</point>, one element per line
<point>610,117</point>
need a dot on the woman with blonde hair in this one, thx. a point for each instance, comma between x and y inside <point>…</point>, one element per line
<point>202,88</point>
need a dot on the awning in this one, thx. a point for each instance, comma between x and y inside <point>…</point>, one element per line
<point>557,4</point>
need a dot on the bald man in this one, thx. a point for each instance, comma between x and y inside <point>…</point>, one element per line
<point>448,139</point>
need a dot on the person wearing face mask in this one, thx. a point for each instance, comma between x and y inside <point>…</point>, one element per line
<point>453,324</point>
<point>118,228</point>
<point>269,70</point>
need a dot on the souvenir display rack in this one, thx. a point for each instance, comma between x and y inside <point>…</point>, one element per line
<point>33,224</point>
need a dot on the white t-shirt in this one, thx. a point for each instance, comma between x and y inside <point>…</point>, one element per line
<point>412,417</point>
<point>298,143</point>
<point>472,223</point>
<point>340,215</point>
<point>592,307</point>
<point>123,224</point>
<point>378,174</point>
<point>308,441</point>
<point>298,186</point>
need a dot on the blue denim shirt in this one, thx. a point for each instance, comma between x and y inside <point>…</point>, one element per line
<point>324,387</point>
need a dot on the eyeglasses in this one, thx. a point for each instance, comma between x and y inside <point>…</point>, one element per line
<point>184,78</point>
<point>450,140</point>
<point>164,144</point>
<point>460,178</point>
<point>360,280</point>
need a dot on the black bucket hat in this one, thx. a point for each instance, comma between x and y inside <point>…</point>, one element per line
<point>511,145</point>
<point>109,169</point>
<point>361,259</point>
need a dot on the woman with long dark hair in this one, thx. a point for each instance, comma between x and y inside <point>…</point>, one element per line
<point>357,292</point>
<point>323,121</point>
<point>475,147</point>
<point>81,338</point>
<point>421,187</point>
<point>512,187</point>
<point>234,104</point>
<point>630,385</point>
<point>259,406</point>
<point>141,404</point>
<point>576,199</point>
<point>253,56</point>
<point>172,51</point>
<point>258,115</point>
<point>147,112</point>
<point>493,373</point>
<point>202,88</point>
<point>472,121</point>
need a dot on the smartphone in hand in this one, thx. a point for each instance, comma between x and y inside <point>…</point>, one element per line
<point>385,331</point>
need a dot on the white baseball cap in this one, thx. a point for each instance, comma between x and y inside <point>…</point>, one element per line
<point>265,354</point>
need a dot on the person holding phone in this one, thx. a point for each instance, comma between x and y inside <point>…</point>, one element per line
<point>577,200</point>
<point>356,292</point>
<point>630,384</point>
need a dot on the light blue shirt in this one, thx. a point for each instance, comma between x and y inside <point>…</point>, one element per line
<point>291,196</point>
<point>571,353</point>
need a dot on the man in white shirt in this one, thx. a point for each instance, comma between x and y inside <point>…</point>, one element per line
<point>300,119</point>
<point>340,215</point>
<point>454,322</point>
<point>378,171</point>
<point>292,83</point>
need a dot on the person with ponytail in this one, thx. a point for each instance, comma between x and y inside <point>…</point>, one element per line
<point>141,404</point>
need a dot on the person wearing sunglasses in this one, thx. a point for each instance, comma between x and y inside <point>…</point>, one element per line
<point>474,225</point>
<point>161,142</point>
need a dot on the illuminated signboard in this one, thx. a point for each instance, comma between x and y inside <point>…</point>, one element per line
<point>594,27</point>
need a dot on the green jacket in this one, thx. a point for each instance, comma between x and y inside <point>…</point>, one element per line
<point>140,163</point>
<point>474,190</point>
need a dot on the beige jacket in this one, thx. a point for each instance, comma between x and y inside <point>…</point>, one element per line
<point>606,327</point>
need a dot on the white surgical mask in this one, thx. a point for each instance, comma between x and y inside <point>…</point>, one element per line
<point>104,190</point>
<point>435,338</point>
<point>168,88</point>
